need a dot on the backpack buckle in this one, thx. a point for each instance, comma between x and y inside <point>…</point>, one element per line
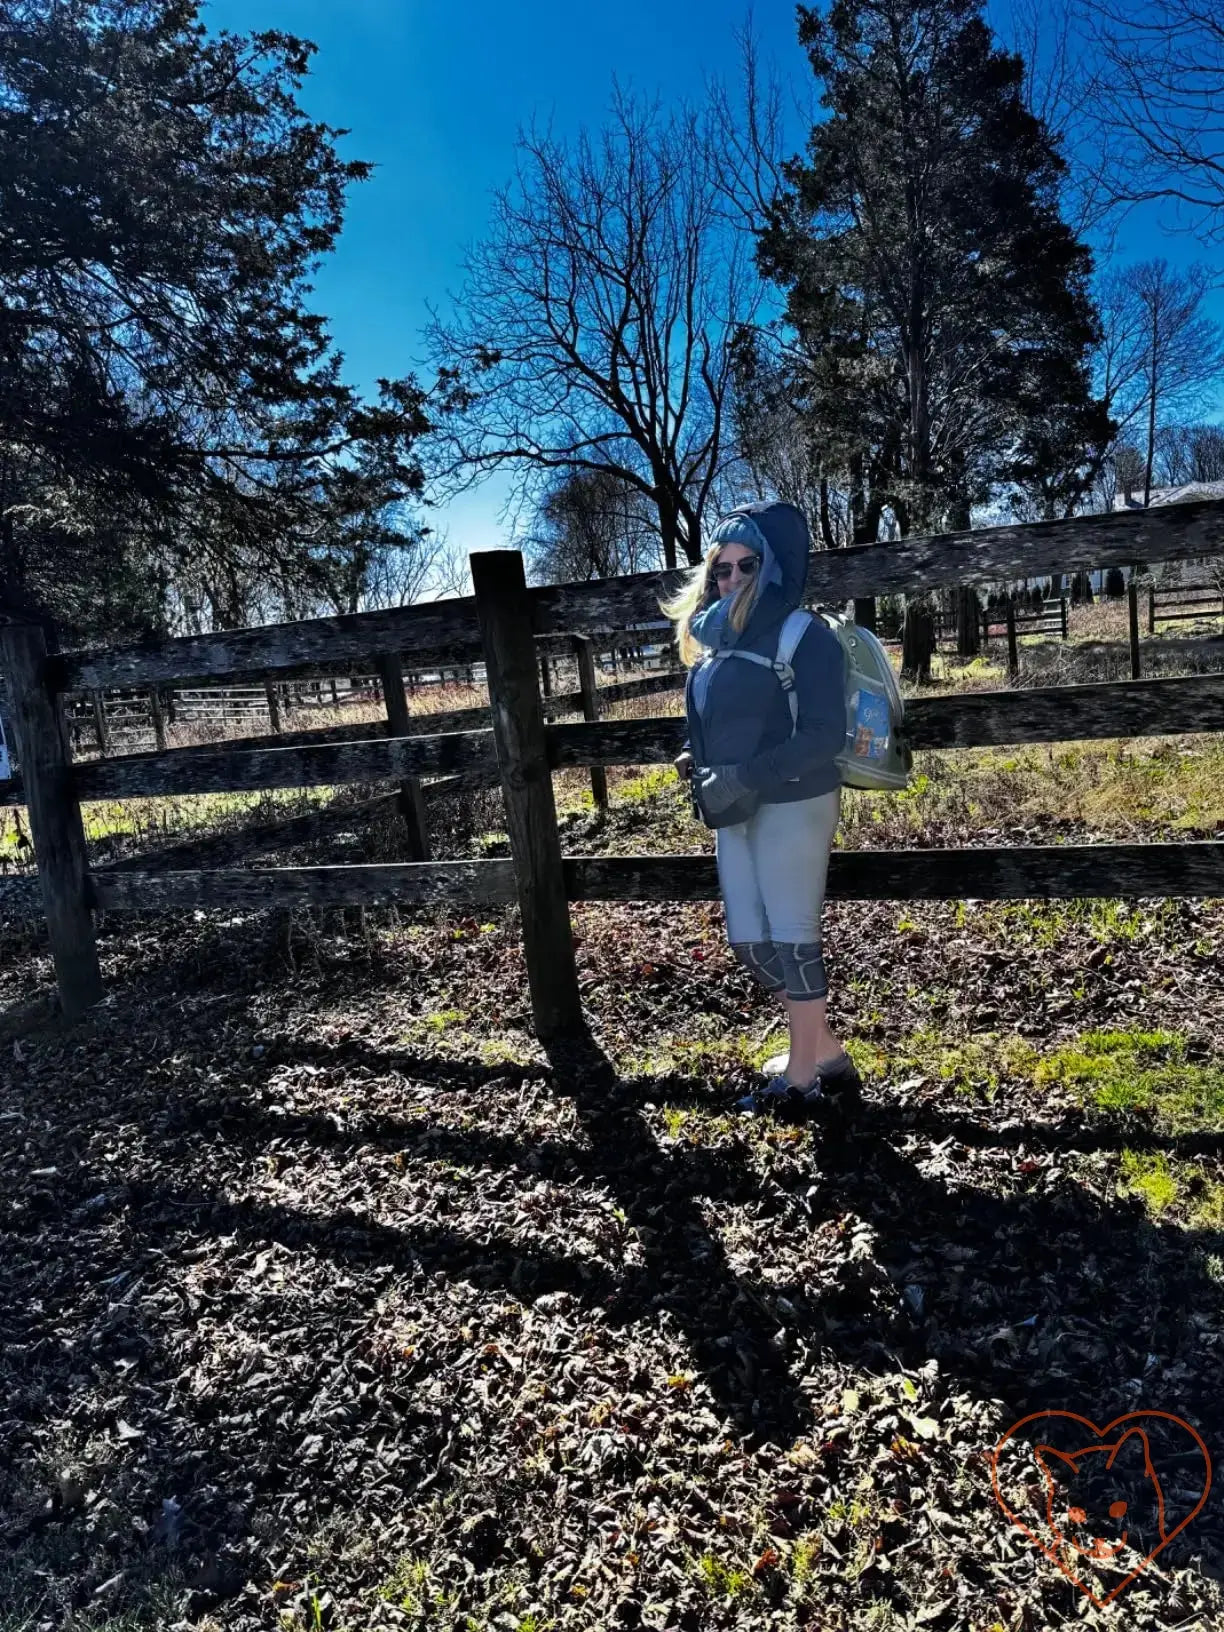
<point>785,674</point>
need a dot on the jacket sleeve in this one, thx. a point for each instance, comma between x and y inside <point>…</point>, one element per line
<point>820,735</point>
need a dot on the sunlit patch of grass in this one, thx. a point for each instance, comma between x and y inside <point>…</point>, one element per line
<point>1110,787</point>
<point>1149,1176</point>
<point>1148,1071</point>
<point>691,1056</point>
<point>975,1066</point>
<point>656,782</point>
<point>1046,924</point>
<point>1168,1186</point>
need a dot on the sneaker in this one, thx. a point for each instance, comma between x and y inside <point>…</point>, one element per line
<point>835,1077</point>
<point>781,1099</point>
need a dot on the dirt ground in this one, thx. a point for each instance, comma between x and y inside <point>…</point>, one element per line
<point>329,1299</point>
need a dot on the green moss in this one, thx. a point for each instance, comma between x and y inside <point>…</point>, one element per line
<point>440,1019</point>
<point>723,1580</point>
<point>973,1066</point>
<point>1149,1177</point>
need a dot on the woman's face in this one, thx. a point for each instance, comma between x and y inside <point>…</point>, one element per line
<point>734,566</point>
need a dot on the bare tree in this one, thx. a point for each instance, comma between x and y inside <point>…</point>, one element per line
<point>595,327</point>
<point>1189,453</point>
<point>1158,99</point>
<point>1158,355</point>
<point>1180,347</point>
<point>1053,38</point>
<point>592,524</point>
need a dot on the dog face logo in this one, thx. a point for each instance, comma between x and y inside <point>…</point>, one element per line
<point>1092,1499</point>
<point>1095,1495</point>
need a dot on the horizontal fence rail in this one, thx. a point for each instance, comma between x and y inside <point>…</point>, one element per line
<point>910,565</point>
<point>904,566</point>
<point>199,771</point>
<point>1054,872</point>
<point>981,719</point>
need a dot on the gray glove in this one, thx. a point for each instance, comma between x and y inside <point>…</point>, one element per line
<point>719,787</point>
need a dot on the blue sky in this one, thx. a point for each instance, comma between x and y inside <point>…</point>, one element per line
<point>434,93</point>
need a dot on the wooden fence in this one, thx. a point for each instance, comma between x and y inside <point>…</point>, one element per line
<point>513,745</point>
<point>104,722</point>
<point>1183,605</point>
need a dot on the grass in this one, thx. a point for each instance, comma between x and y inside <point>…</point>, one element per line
<point>1111,787</point>
<point>1167,1186</point>
<point>1141,1071</point>
<point>1115,1072</point>
<point>723,1580</point>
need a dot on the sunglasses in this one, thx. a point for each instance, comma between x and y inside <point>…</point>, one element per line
<point>747,566</point>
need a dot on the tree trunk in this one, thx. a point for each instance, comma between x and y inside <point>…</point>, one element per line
<point>1151,436</point>
<point>669,533</point>
<point>865,525</point>
<point>968,622</point>
<point>826,522</point>
<point>917,640</point>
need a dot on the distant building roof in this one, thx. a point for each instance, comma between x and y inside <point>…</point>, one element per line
<point>1170,495</point>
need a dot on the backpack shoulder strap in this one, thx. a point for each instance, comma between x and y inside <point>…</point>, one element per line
<point>794,626</point>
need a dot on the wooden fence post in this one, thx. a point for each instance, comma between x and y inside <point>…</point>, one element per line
<point>1062,607</point>
<point>1013,650</point>
<point>504,614</point>
<point>1151,609</point>
<point>585,657</point>
<point>546,685</point>
<point>1132,607</point>
<point>37,716</point>
<point>274,711</point>
<point>99,714</point>
<point>159,719</point>
<point>412,799</point>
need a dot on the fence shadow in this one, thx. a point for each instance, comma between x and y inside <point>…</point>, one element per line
<point>1042,1299</point>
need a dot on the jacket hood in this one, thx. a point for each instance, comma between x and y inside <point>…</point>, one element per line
<point>780,533</point>
<point>787,545</point>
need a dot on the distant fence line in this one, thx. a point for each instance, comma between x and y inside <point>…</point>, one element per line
<point>511,744</point>
<point>108,721</point>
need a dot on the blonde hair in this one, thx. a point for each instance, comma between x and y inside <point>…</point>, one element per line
<point>692,596</point>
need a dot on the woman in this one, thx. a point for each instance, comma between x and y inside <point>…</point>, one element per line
<point>767,784</point>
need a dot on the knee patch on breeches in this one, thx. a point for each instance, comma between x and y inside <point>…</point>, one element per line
<point>802,969</point>
<point>761,958</point>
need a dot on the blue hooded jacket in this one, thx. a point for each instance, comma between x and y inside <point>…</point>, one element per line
<point>737,712</point>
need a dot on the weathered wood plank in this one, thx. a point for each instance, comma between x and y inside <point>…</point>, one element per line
<point>37,718</point>
<point>1167,533</point>
<point>590,712</point>
<point>350,638</point>
<point>399,724</point>
<point>1110,709</point>
<point>422,883</point>
<point>220,771</point>
<point>1051,872</point>
<point>1047,872</point>
<point>327,644</point>
<point>979,719</point>
<point>502,606</point>
<point>157,717</point>
<point>652,685</point>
